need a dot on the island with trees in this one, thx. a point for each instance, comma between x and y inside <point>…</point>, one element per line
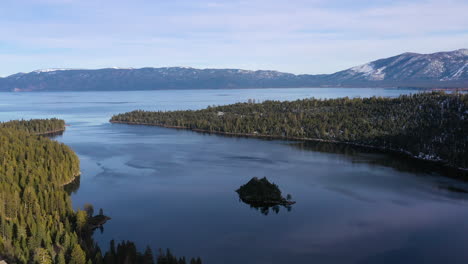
<point>430,126</point>
<point>37,220</point>
<point>262,194</point>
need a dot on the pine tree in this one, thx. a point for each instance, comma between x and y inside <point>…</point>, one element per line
<point>89,209</point>
<point>78,256</point>
<point>42,256</point>
<point>81,219</point>
<point>148,257</point>
<point>60,258</point>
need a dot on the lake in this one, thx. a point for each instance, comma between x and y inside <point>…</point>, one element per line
<point>175,189</point>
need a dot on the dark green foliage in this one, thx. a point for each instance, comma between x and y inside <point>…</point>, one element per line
<point>126,253</point>
<point>35,211</point>
<point>426,125</point>
<point>36,126</point>
<point>263,195</point>
<point>168,258</point>
<point>97,221</point>
<point>78,256</point>
<point>148,257</point>
<point>89,209</point>
<point>37,221</point>
<point>260,190</point>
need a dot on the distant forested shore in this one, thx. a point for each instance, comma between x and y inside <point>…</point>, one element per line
<point>430,126</point>
<point>36,126</point>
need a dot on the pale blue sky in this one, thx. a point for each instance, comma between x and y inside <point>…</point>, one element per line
<point>298,36</point>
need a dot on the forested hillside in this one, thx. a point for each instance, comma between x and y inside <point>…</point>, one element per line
<point>429,126</point>
<point>37,221</point>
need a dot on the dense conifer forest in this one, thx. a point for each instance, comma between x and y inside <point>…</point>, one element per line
<point>262,195</point>
<point>36,126</point>
<point>37,221</point>
<point>262,192</point>
<point>429,126</point>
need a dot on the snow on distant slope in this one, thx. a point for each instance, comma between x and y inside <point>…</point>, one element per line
<point>458,74</point>
<point>52,70</point>
<point>463,51</point>
<point>369,71</point>
<point>441,69</point>
<point>440,66</point>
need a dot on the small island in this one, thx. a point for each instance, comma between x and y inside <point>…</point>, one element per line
<point>262,194</point>
<point>97,221</point>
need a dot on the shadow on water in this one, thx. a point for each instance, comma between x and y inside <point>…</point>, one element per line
<point>265,209</point>
<point>371,156</point>
<point>53,135</point>
<point>396,161</point>
<point>72,187</point>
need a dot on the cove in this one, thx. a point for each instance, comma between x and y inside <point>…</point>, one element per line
<point>176,189</point>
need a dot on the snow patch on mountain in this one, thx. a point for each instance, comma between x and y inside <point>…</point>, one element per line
<point>434,68</point>
<point>52,70</point>
<point>369,71</point>
<point>365,68</point>
<point>121,68</point>
<point>463,51</point>
<point>458,74</point>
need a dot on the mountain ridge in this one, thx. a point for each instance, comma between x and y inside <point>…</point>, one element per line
<point>447,69</point>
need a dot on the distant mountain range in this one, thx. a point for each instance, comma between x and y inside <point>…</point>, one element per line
<point>436,70</point>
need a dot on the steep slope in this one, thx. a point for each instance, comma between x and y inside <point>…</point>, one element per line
<point>443,67</point>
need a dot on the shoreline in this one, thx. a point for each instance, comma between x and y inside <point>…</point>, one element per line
<point>421,88</point>
<point>250,135</point>
<point>50,132</point>
<point>71,180</point>
<point>268,203</point>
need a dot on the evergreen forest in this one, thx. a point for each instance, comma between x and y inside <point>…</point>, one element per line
<point>430,126</point>
<point>37,220</point>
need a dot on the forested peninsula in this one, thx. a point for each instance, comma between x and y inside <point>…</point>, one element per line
<point>37,220</point>
<point>430,126</point>
<point>36,126</point>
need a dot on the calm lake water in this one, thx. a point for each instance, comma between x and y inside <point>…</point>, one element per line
<point>175,189</point>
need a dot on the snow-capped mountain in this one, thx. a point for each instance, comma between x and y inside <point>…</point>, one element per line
<point>442,69</point>
<point>440,66</point>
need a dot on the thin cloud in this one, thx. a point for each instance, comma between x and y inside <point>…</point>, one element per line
<point>303,37</point>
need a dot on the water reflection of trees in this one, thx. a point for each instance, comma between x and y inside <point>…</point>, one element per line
<point>54,135</point>
<point>265,209</point>
<point>73,186</point>
<point>400,162</point>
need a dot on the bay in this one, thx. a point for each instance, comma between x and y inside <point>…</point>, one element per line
<point>175,189</point>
